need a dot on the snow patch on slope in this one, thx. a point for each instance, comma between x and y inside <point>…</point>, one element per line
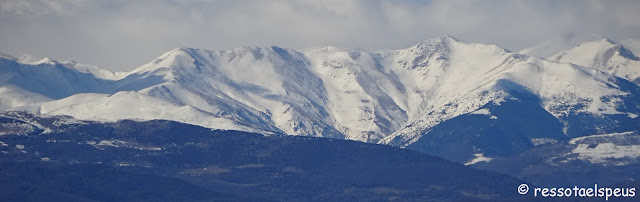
<point>479,157</point>
<point>484,112</point>
<point>602,153</point>
<point>610,135</point>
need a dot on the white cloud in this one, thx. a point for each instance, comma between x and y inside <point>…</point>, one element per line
<point>122,34</point>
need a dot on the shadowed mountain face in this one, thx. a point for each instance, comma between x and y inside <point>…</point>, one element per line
<point>59,158</point>
<point>496,129</point>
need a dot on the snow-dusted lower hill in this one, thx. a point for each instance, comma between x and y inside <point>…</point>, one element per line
<point>441,93</point>
<point>135,106</point>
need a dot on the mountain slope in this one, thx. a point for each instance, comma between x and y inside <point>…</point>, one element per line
<point>267,87</point>
<point>584,100</point>
<point>391,97</point>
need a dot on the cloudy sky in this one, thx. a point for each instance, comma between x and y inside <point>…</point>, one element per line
<point>122,34</point>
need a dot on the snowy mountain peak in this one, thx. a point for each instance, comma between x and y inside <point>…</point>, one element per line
<point>165,62</point>
<point>437,43</point>
<point>27,59</point>
<point>446,38</point>
<point>611,45</point>
<point>601,44</point>
<point>70,67</point>
<point>94,70</point>
<point>192,61</point>
<point>609,41</point>
<point>553,46</point>
<point>445,44</point>
<point>325,50</point>
<point>33,60</point>
<point>605,55</point>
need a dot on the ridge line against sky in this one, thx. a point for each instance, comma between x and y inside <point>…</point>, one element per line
<point>121,35</point>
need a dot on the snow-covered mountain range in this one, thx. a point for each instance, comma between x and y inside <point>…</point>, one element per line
<point>464,101</point>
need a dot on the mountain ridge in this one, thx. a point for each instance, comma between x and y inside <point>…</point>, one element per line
<point>389,97</point>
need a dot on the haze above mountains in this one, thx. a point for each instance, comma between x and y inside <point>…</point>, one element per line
<point>411,97</point>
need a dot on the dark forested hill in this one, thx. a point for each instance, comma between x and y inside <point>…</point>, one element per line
<point>60,158</point>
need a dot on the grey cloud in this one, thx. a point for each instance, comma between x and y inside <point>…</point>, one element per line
<point>120,35</point>
<point>40,7</point>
